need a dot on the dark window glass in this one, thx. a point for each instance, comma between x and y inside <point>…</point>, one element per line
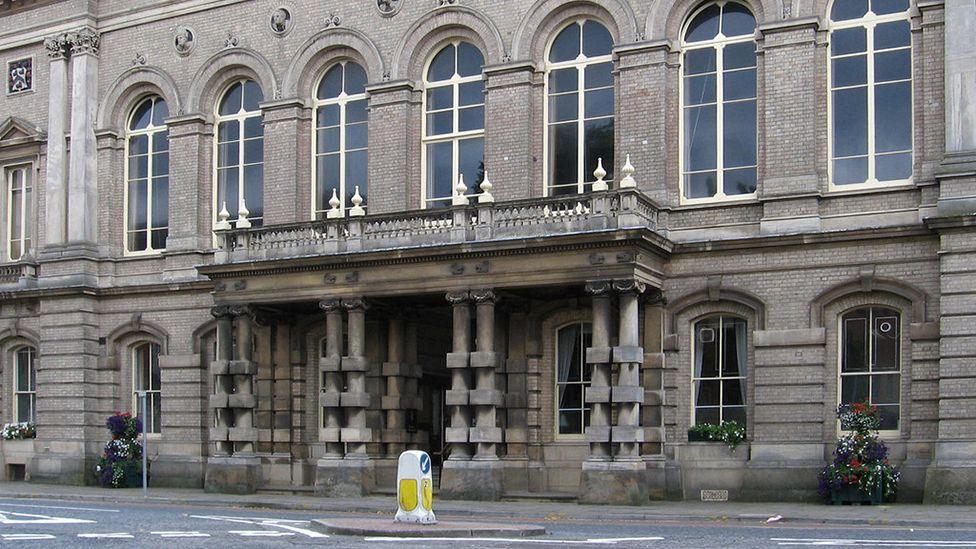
<point>844,10</point>
<point>566,46</point>
<point>705,25</point>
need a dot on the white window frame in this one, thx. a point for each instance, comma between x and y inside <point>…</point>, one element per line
<point>888,433</point>
<point>455,137</point>
<point>721,360</point>
<point>32,372</point>
<point>580,63</point>
<point>556,383</point>
<point>26,209</point>
<point>869,21</point>
<point>136,404</point>
<point>149,131</point>
<point>718,44</point>
<point>342,100</point>
<point>240,116</point>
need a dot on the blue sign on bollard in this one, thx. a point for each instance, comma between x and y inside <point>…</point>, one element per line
<point>425,464</point>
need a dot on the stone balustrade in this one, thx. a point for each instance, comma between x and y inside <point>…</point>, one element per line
<point>484,221</point>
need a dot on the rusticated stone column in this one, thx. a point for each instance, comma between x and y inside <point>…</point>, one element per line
<point>485,398</point>
<point>355,400</point>
<point>458,364</point>
<point>331,378</point>
<point>598,355</point>
<point>628,355</point>
<point>223,385</point>
<point>397,400</point>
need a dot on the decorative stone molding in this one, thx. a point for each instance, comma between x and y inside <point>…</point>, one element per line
<point>629,285</point>
<point>57,46</point>
<point>484,295</point>
<point>231,41</point>
<point>221,311</point>
<point>332,20</point>
<point>183,40</point>
<point>330,305</point>
<point>457,297</point>
<point>280,20</point>
<point>355,303</point>
<point>84,41</point>
<point>389,8</point>
<point>138,60</point>
<point>598,287</point>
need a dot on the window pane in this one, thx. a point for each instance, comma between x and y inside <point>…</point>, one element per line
<point>849,71</point>
<point>228,131</point>
<point>706,346</point>
<point>331,84</point>
<point>570,396</point>
<point>356,111</point>
<point>882,7</point>
<point>440,167</point>
<point>137,241</point>
<point>23,370</point>
<point>853,389</point>
<point>598,103</point>
<point>850,122</point>
<point>741,181</point>
<point>885,334</point>
<point>254,126</point>
<point>563,80</point>
<point>442,66</point>
<point>471,93</point>
<point>228,154</point>
<point>850,171</point>
<point>706,415</point>
<point>700,89</point>
<point>739,141</point>
<point>160,202</point>
<point>701,185</point>
<point>706,393</point>
<point>571,423</point>
<point>471,162</point>
<point>231,103</point>
<point>252,96</point>
<point>893,167</point>
<point>700,144</point>
<point>138,201</point>
<point>138,145</point>
<point>598,145</point>
<point>563,107</point>
<point>355,79</point>
<point>141,116</point>
<point>158,238</point>
<point>568,358</point>
<point>328,115</point>
<point>844,10</point>
<point>739,56</point>
<point>889,417</point>
<point>732,392</point>
<point>844,41</point>
<point>731,347</point>
<point>737,413</point>
<point>471,118</point>
<point>24,408</point>
<point>327,178</point>
<point>599,75</point>
<point>160,163</point>
<point>884,389</point>
<point>596,39</point>
<point>566,46</point>
<point>737,20</point>
<point>440,98</point>
<point>440,123</point>
<point>704,26</point>
<point>138,167</point>
<point>893,117</point>
<point>253,190</point>
<point>356,163</point>
<point>16,201</point>
<point>469,60</point>
<point>892,65</point>
<point>563,143</point>
<point>700,61</point>
<point>739,85</point>
<point>855,341</point>
<point>892,35</point>
<point>356,136</point>
<point>254,151</point>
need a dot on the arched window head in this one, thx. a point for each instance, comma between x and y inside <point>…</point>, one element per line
<point>454,123</point>
<point>870,361</point>
<point>720,359</point>
<point>240,153</point>
<point>870,93</point>
<point>579,107</point>
<point>25,384</point>
<point>718,99</point>
<point>147,177</point>
<point>341,137</point>
<point>147,378</point>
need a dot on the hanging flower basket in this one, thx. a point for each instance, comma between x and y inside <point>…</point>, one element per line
<point>860,472</point>
<point>120,465</point>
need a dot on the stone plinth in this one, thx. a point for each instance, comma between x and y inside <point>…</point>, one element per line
<point>233,475</point>
<point>472,480</point>
<point>443,529</point>
<point>614,483</point>
<point>344,477</point>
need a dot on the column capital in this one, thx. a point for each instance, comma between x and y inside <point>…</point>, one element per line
<point>83,41</point>
<point>629,285</point>
<point>458,297</point>
<point>221,311</point>
<point>484,295</point>
<point>242,310</point>
<point>354,303</point>
<point>330,305</point>
<point>57,46</point>
<point>598,287</point>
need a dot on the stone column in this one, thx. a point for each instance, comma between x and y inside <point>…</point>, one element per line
<point>331,379</point>
<point>83,165</point>
<point>57,153</point>
<point>598,355</point>
<point>485,398</point>
<point>457,362</point>
<point>222,381</point>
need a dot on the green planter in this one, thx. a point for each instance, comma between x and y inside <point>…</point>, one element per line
<point>849,494</point>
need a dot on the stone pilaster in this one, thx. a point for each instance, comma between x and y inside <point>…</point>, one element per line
<point>190,216</point>
<point>57,152</point>
<point>83,163</point>
<point>391,104</point>
<point>509,119</point>
<point>287,196</point>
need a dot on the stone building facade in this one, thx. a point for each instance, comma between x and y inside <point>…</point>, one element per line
<point>539,239</point>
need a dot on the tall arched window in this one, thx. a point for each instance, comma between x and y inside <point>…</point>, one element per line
<point>146,377</point>
<point>572,378</point>
<point>870,93</point>
<point>25,385</point>
<point>870,361</point>
<point>454,122</point>
<point>579,108</point>
<point>340,137</point>
<point>719,359</point>
<point>240,152</point>
<point>147,177</point>
<point>718,99</point>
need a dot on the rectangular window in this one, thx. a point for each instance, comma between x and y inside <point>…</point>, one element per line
<point>870,363</point>
<point>20,217</point>
<point>572,378</point>
<point>25,385</point>
<point>146,378</point>
<point>719,377</point>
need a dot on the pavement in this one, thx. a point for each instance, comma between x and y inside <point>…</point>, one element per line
<point>741,513</point>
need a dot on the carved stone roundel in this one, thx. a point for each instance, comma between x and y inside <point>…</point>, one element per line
<point>389,7</point>
<point>280,20</point>
<point>184,40</point>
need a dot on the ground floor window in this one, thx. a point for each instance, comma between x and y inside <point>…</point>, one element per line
<point>870,361</point>
<point>719,370</point>
<point>146,377</point>
<point>572,378</point>
<point>25,385</point>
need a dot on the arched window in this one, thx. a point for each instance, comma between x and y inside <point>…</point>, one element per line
<point>147,177</point>
<point>870,93</point>
<point>572,378</point>
<point>240,152</point>
<point>720,358</point>
<point>146,378</point>
<point>25,384</point>
<point>20,212</point>
<point>870,361</point>
<point>454,122</point>
<point>340,137</point>
<point>718,99</point>
<point>579,108</point>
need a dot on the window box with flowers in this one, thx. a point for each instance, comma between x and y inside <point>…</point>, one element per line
<point>860,472</point>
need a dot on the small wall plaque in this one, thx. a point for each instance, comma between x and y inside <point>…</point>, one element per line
<point>715,495</point>
<point>20,75</point>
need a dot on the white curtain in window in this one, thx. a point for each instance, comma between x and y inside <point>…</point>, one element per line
<point>568,341</point>
<point>699,356</point>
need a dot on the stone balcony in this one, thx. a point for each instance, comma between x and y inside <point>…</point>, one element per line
<point>19,275</point>
<point>481,220</point>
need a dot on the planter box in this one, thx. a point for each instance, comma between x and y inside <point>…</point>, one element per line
<point>131,474</point>
<point>852,495</point>
<point>17,451</point>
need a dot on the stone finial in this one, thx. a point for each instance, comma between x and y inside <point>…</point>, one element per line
<point>460,192</point>
<point>335,212</point>
<point>599,173</point>
<point>628,175</point>
<point>242,213</point>
<point>486,186</point>
<point>357,204</point>
<point>222,218</point>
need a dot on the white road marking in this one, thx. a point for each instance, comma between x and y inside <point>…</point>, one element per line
<point>193,534</point>
<point>110,535</point>
<point>39,519</point>
<point>261,533</point>
<point>25,537</point>
<point>836,542</point>
<point>284,524</point>
<point>303,531</point>
<point>591,541</point>
<point>57,507</point>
